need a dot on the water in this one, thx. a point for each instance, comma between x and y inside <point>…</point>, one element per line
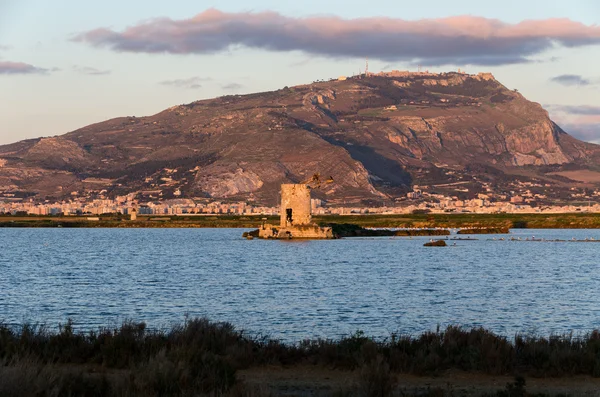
<point>294,290</point>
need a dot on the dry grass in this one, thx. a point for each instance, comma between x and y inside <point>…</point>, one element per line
<point>201,358</point>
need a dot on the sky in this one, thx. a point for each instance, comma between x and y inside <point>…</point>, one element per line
<point>65,64</point>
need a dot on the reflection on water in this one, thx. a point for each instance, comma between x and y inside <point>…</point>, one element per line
<point>300,289</point>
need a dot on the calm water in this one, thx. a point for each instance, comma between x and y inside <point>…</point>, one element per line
<point>296,290</point>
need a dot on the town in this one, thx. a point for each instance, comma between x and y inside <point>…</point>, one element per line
<point>422,199</point>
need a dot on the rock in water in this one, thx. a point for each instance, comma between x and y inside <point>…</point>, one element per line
<point>437,243</point>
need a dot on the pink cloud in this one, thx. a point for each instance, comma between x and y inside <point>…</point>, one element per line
<point>588,119</point>
<point>19,68</point>
<point>461,39</point>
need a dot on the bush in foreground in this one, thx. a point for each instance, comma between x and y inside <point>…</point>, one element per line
<point>200,357</point>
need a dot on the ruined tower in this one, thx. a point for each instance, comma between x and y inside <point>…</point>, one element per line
<point>295,219</point>
<point>295,205</point>
<point>132,214</point>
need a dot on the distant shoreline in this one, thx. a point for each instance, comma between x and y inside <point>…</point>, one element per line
<point>417,221</point>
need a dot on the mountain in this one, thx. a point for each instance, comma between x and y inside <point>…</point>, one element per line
<point>376,135</point>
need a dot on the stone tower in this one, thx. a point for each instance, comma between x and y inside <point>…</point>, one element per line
<point>133,214</point>
<point>296,220</point>
<point>295,205</point>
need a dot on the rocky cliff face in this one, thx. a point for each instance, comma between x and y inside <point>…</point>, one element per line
<point>375,136</point>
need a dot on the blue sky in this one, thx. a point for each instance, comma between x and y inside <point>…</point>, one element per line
<point>59,73</point>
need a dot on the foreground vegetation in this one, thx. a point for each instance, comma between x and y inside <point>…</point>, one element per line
<point>205,358</point>
<point>473,221</point>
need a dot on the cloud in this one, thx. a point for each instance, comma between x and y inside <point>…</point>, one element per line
<point>583,122</point>
<point>192,82</point>
<point>90,71</point>
<point>4,47</point>
<point>302,62</point>
<point>20,68</point>
<point>571,80</point>
<point>452,40</point>
<point>584,132</point>
<point>232,86</point>
<point>584,110</point>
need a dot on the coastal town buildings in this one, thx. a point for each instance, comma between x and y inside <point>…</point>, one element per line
<point>421,202</point>
<point>456,197</point>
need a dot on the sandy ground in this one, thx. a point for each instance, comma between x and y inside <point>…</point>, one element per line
<point>316,381</point>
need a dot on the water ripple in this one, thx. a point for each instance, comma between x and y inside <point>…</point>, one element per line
<point>298,290</point>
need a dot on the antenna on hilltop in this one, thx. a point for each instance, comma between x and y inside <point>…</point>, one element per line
<point>367,67</point>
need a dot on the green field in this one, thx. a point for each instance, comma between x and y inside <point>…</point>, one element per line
<point>530,221</point>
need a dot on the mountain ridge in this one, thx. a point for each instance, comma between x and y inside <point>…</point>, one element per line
<point>376,135</point>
